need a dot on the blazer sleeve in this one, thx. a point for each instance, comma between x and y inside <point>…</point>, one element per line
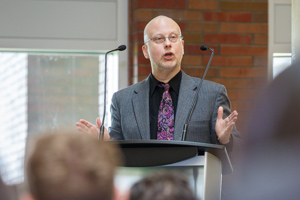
<point>115,131</point>
<point>235,137</point>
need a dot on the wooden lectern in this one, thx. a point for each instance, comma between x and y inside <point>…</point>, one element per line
<point>209,159</point>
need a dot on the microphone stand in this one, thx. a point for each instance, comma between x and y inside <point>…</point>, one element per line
<point>101,131</point>
<point>185,126</point>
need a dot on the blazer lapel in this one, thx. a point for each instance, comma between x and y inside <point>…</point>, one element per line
<point>186,97</point>
<point>140,104</point>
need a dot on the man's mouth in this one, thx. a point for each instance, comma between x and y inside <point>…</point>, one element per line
<point>168,55</point>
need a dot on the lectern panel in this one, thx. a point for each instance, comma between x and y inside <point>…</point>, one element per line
<point>203,163</point>
<point>127,176</point>
<point>160,155</point>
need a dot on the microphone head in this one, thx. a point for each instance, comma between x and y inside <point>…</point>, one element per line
<point>122,47</point>
<point>203,48</point>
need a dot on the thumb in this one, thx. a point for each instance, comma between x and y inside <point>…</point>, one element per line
<point>98,122</point>
<point>220,113</point>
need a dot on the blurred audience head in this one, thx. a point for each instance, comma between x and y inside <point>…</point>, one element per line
<point>71,166</point>
<point>162,185</point>
<point>270,158</point>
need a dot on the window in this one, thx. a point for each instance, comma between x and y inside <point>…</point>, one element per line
<point>48,92</point>
<point>13,114</point>
<point>281,61</point>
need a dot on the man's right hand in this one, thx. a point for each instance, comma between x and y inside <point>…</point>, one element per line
<point>89,128</point>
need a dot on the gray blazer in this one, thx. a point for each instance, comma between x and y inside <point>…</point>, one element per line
<point>130,111</point>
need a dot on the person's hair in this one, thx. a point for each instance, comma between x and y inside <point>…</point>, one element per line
<point>162,185</point>
<point>72,166</point>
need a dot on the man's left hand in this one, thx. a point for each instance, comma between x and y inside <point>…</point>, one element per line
<point>224,126</point>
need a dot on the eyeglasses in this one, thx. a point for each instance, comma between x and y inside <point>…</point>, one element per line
<point>159,39</point>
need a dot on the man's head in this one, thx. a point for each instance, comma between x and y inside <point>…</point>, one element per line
<point>162,185</point>
<point>163,44</point>
<point>71,166</point>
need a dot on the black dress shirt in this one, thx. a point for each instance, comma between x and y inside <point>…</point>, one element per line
<point>156,96</point>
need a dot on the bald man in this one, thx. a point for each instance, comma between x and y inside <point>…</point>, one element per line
<point>157,107</point>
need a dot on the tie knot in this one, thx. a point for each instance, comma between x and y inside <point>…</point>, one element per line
<point>166,86</point>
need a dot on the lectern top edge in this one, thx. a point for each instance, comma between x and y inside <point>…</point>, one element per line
<point>167,143</point>
<point>217,150</point>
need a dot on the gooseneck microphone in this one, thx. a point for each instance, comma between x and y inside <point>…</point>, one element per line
<point>101,131</point>
<point>121,48</point>
<point>204,48</point>
<point>185,127</point>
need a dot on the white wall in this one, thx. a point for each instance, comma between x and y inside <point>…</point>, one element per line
<point>280,30</point>
<point>295,31</point>
<point>65,25</point>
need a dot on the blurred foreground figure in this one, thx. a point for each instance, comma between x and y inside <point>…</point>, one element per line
<point>71,167</point>
<point>5,192</point>
<point>270,165</point>
<point>162,186</point>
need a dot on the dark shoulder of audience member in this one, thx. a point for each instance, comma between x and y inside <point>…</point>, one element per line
<point>162,185</point>
<point>6,193</point>
<point>270,162</point>
<point>278,109</point>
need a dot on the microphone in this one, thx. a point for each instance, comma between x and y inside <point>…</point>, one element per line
<point>101,131</point>
<point>185,127</point>
<point>204,48</point>
<point>122,47</point>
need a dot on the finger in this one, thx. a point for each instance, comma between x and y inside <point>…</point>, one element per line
<point>80,125</point>
<point>232,115</point>
<point>82,120</point>
<point>234,119</point>
<point>106,135</point>
<point>86,123</point>
<point>220,113</point>
<point>81,130</point>
<point>231,118</point>
<point>228,129</point>
<point>231,125</point>
<point>77,124</point>
<point>98,122</point>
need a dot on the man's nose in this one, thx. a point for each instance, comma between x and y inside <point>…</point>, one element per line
<point>167,43</point>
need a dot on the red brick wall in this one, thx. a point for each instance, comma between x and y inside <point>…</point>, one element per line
<point>237,30</point>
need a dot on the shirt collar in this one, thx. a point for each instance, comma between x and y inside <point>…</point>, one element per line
<point>174,83</point>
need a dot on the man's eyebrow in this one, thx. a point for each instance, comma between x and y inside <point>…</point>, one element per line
<point>159,34</point>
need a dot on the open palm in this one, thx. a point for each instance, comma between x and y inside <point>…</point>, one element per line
<point>224,126</point>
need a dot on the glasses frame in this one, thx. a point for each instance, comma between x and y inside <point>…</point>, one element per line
<point>165,38</point>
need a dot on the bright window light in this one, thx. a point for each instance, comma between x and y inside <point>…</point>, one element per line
<point>281,61</point>
<point>48,92</point>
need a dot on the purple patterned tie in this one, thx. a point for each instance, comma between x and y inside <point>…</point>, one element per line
<point>165,122</point>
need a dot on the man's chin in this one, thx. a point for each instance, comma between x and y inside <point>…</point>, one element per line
<point>171,66</point>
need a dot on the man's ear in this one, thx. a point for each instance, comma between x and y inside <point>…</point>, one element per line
<point>27,196</point>
<point>182,42</point>
<point>145,51</point>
